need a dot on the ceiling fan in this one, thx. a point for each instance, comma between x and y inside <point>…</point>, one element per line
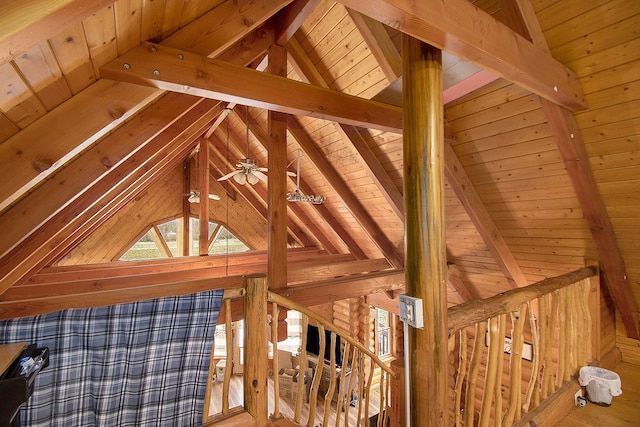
<point>194,197</point>
<point>247,170</point>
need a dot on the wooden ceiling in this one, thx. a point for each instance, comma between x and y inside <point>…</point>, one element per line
<point>103,104</point>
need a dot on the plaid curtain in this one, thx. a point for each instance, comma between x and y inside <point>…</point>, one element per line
<point>135,364</point>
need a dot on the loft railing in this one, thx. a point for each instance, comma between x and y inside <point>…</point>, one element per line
<point>355,378</point>
<point>512,351</point>
<point>223,403</point>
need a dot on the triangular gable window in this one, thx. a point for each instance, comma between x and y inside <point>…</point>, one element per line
<point>163,241</point>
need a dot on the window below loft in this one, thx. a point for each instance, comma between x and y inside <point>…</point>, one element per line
<point>165,241</point>
<point>383,332</point>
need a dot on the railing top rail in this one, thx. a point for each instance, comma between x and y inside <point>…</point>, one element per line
<point>285,302</point>
<point>472,312</point>
<point>233,293</point>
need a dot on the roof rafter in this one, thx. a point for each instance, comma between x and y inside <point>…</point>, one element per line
<point>462,29</point>
<point>346,195</point>
<point>468,196</point>
<point>34,22</point>
<point>289,19</point>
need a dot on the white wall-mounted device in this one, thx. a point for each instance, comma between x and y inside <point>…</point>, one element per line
<point>411,311</point>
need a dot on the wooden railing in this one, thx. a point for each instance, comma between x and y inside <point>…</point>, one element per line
<point>229,295</point>
<point>349,384</point>
<point>352,383</point>
<point>511,352</point>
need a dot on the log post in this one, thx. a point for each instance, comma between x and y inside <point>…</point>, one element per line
<point>277,189</point>
<point>397,395</point>
<point>425,255</point>
<point>256,352</point>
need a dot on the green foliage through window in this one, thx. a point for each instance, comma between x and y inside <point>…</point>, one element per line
<point>151,244</point>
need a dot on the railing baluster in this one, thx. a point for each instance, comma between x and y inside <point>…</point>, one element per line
<point>228,370</point>
<point>353,371</point>
<point>301,369</point>
<point>535,363</point>
<point>341,387</point>
<point>368,391</point>
<point>275,314</point>
<point>313,398</point>
<point>332,380</point>
<point>462,371</point>
<point>474,367</point>
<point>515,387</point>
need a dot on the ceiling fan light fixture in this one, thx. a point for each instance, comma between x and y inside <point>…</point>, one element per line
<point>252,178</point>
<point>240,178</point>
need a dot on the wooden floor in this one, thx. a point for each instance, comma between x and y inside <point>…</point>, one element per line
<point>287,407</point>
<point>624,410</point>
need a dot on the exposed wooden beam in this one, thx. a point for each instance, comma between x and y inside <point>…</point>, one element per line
<point>21,220</point>
<point>24,27</point>
<point>331,290</point>
<point>468,196</point>
<point>381,178</point>
<point>289,20</point>
<point>86,287</point>
<point>181,71</point>
<point>464,30</point>
<point>571,145</point>
<point>346,194</point>
<point>382,300</point>
<point>66,273</point>
<point>380,44</point>
<point>218,30</point>
<point>116,102</point>
<point>468,85</point>
<point>252,47</point>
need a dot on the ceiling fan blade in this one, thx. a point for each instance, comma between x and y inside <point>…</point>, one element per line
<point>291,174</point>
<point>214,197</point>
<point>229,175</point>
<point>258,174</point>
<point>261,169</point>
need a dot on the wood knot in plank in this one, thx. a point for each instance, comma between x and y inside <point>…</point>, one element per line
<point>41,165</point>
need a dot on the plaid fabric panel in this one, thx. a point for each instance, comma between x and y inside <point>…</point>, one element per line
<point>135,364</point>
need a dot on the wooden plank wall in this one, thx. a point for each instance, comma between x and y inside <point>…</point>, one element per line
<point>600,41</point>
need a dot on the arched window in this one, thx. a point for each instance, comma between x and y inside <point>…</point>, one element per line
<point>165,240</point>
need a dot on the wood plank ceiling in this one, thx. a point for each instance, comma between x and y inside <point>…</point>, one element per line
<point>103,103</point>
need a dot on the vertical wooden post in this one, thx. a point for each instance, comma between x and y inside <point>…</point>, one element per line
<point>425,254</point>
<point>255,346</point>
<point>594,309</point>
<point>185,242</point>
<point>397,395</point>
<point>277,189</point>
<point>203,177</point>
